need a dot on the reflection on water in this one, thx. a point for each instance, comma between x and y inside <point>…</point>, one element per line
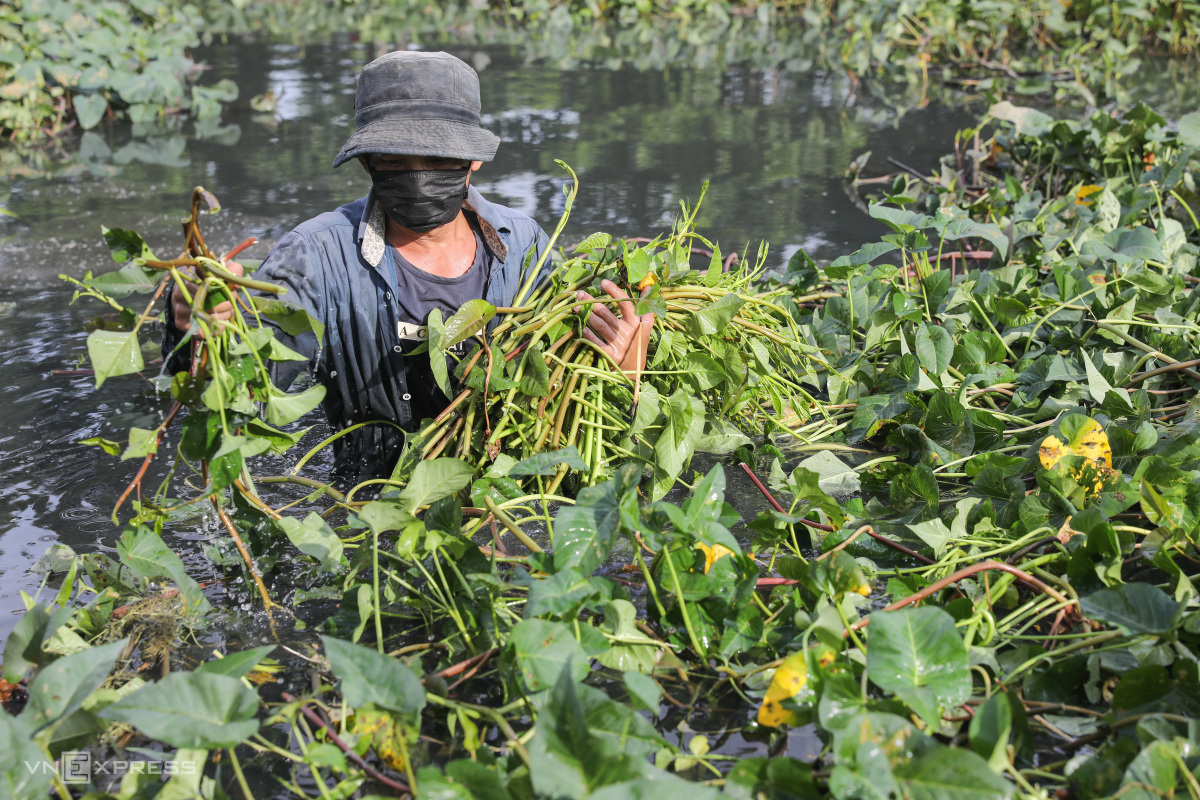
<point>773,143</point>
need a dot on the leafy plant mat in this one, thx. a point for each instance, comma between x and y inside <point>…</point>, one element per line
<point>1006,608</point>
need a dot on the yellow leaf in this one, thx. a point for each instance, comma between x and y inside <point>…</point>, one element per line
<point>1091,443</point>
<point>711,554</point>
<point>385,735</point>
<point>647,282</point>
<point>789,680</point>
<point>1083,192</point>
<point>1066,531</point>
<point>1051,452</point>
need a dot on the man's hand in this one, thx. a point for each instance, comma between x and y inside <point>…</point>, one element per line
<point>181,310</point>
<point>627,338</point>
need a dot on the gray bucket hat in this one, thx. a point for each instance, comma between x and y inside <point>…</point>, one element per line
<point>418,104</point>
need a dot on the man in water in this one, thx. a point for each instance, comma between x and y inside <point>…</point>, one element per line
<point>422,239</point>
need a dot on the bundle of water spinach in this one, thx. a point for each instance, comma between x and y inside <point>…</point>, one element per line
<point>725,360</point>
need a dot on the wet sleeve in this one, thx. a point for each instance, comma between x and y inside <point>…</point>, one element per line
<point>291,266</point>
<point>295,266</point>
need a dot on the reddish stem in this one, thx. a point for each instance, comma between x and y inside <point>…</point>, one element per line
<point>462,666</point>
<point>966,572</point>
<point>900,547</point>
<point>767,494</point>
<point>374,774</point>
<point>251,241</point>
<point>980,254</point>
<point>763,489</point>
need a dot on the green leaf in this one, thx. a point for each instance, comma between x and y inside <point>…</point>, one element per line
<point>675,444</point>
<point>778,778</point>
<point>933,533</point>
<point>586,531</point>
<point>24,768</point>
<point>964,228</point>
<point>872,413</point>
<point>1027,121</point>
<point>542,650</point>
<point>23,650</point>
<point>535,375</point>
<point>61,687</point>
<point>434,479</point>
<point>236,664</point>
<point>546,463</point>
<point>107,445</point>
<point>631,649</point>
<point>144,552</point>
<point>637,265</point>
<point>949,773</point>
<point>191,709</point>
<point>1134,608</point>
<point>57,558</point>
<point>290,318</point>
<point>129,279</point>
<point>125,245</point>
<point>314,538</point>
<point>286,408</point>
<point>838,576</point>
<point>703,370</point>
<point>935,347</point>
<point>643,690</point>
<point>437,350</point>
<point>469,320</point>
<point>990,730</point>
<point>711,321</point>
<point>89,109</point>
<point>1153,773</point>
<point>142,443</point>
<point>843,266</point>
<point>369,676</point>
<point>596,241</point>
<point>917,654</point>
<point>898,219</point>
<point>1189,129</point>
<point>386,515</point>
<point>1125,244</point>
<point>114,353</point>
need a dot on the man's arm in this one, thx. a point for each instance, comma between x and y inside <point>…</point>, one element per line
<point>289,266</point>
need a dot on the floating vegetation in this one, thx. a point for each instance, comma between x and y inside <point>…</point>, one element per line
<point>69,63</point>
<point>1001,599</point>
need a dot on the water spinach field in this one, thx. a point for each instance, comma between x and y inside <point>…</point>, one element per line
<point>914,520</point>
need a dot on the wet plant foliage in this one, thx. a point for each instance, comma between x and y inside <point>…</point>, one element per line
<point>980,442</point>
<point>69,64</point>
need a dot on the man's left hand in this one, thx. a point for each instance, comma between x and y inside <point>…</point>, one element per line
<point>626,338</point>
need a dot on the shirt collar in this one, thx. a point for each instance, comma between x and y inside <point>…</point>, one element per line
<point>372,228</point>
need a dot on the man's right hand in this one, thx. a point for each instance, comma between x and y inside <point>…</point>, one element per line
<point>181,310</point>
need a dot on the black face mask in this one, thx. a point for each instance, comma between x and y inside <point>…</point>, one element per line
<point>421,199</point>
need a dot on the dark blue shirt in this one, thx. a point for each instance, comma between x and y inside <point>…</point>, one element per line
<point>338,268</point>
